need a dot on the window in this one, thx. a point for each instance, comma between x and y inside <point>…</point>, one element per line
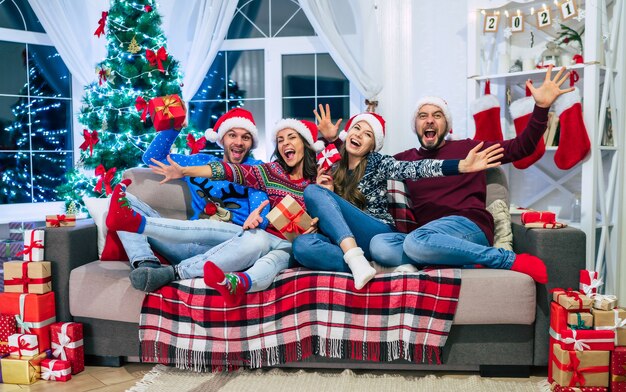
<point>270,43</point>
<point>35,110</point>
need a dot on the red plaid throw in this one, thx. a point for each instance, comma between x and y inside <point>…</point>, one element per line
<point>303,313</point>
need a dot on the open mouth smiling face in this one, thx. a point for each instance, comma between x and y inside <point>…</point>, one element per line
<point>290,146</point>
<point>360,140</point>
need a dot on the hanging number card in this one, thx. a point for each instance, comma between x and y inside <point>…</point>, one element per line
<point>544,19</point>
<point>568,9</point>
<point>491,23</point>
<point>517,23</point>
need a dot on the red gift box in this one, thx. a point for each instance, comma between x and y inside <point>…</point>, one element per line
<point>584,339</point>
<point>618,370</point>
<point>56,370</point>
<point>7,328</point>
<point>589,282</point>
<point>167,112</point>
<point>562,388</point>
<point>328,156</point>
<point>67,344</point>
<point>34,314</point>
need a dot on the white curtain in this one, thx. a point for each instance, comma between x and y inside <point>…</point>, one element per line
<point>194,34</point>
<point>350,31</point>
<point>70,24</point>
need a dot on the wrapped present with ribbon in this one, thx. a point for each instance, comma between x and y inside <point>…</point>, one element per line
<point>604,302</point>
<point>34,313</point>
<point>33,245</point>
<point>580,320</point>
<point>23,345</point>
<point>559,317</point>
<point>167,112</point>
<point>21,370</point>
<point>16,229</point>
<point>571,300</point>
<point>27,277</point>
<point>538,217</point>
<point>289,218</point>
<point>9,249</point>
<point>589,282</point>
<point>7,328</point>
<point>618,369</point>
<point>328,156</point>
<point>611,320</point>
<point>56,370</point>
<point>580,368</point>
<point>67,344</point>
<point>61,220</point>
<point>584,339</point>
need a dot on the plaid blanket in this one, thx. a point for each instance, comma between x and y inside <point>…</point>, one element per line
<point>303,313</point>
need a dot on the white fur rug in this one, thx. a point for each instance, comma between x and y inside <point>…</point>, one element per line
<point>163,378</point>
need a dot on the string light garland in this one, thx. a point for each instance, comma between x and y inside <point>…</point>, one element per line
<point>542,17</point>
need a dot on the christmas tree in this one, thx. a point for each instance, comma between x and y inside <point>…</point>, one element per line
<point>137,68</point>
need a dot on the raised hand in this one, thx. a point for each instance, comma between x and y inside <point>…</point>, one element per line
<point>172,171</point>
<point>477,160</point>
<point>549,91</point>
<point>325,124</point>
<point>255,219</point>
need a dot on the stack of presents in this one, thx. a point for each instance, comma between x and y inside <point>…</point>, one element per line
<point>32,344</point>
<point>587,339</point>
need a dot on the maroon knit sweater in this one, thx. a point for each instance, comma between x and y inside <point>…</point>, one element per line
<point>465,194</point>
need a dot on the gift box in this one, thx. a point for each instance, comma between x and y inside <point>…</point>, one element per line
<point>56,370</point>
<point>9,249</point>
<point>7,328</point>
<point>167,112</point>
<point>560,388</point>
<point>23,345</point>
<point>604,302</point>
<point>16,229</point>
<point>27,277</point>
<point>580,320</point>
<point>580,368</point>
<point>618,369</point>
<point>612,320</point>
<point>289,218</point>
<point>35,313</point>
<point>67,344</point>
<point>584,339</point>
<point>328,156</point>
<point>558,323</point>
<point>60,220</point>
<point>21,370</point>
<point>571,300</point>
<point>33,245</point>
<point>589,282</point>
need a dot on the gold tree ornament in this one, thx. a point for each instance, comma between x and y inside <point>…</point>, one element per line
<point>134,47</point>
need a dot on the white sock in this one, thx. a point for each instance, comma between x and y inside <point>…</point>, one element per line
<point>381,269</point>
<point>362,271</point>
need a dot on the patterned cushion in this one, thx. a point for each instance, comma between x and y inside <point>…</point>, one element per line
<point>400,206</point>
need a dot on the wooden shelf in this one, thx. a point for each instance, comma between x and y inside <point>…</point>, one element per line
<point>536,74</point>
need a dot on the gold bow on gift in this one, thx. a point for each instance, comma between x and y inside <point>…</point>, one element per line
<point>168,102</point>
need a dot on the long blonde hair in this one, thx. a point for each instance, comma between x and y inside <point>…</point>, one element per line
<point>346,184</point>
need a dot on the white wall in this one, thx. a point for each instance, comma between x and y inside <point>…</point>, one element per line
<point>425,53</point>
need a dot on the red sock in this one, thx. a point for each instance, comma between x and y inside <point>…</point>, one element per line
<point>574,144</point>
<point>121,217</point>
<point>532,266</point>
<point>231,286</point>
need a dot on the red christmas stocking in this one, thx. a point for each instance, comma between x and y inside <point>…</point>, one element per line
<point>486,112</point>
<point>574,144</point>
<point>521,110</point>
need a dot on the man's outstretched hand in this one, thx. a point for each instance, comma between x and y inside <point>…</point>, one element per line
<point>549,91</point>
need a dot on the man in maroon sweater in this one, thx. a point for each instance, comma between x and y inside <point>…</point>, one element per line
<point>454,226</point>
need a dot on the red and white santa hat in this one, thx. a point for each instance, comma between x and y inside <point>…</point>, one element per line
<point>374,120</point>
<point>306,129</point>
<point>234,118</point>
<point>435,101</point>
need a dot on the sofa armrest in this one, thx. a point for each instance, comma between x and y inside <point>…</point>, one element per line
<point>67,248</point>
<point>563,251</point>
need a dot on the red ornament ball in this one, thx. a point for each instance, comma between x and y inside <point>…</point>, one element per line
<point>147,8</point>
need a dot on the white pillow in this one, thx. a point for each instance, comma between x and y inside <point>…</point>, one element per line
<point>502,234</point>
<point>98,208</point>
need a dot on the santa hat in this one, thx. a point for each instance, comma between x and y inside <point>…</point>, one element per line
<point>435,101</point>
<point>374,120</point>
<point>234,118</point>
<point>306,129</point>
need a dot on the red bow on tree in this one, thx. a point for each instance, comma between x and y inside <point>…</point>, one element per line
<point>142,106</point>
<point>195,145</point>
<point>102,75</point>
<point>105,178</point>
<point>156,59</point>
<point>90,140</point>
<point>101,23</point>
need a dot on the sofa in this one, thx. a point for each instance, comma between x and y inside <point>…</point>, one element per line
<point>500,326</point>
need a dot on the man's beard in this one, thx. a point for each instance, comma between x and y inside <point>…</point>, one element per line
<point>431,147</point>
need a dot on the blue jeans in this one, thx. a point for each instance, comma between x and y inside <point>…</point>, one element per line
<point>263,255</point>
<point>338,220</point>
<point>451,240</point>
<point>140,247</point>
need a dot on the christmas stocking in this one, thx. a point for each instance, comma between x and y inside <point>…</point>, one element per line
<point>574,144</point>
<point>486,112</point>
<point>521,111</point>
